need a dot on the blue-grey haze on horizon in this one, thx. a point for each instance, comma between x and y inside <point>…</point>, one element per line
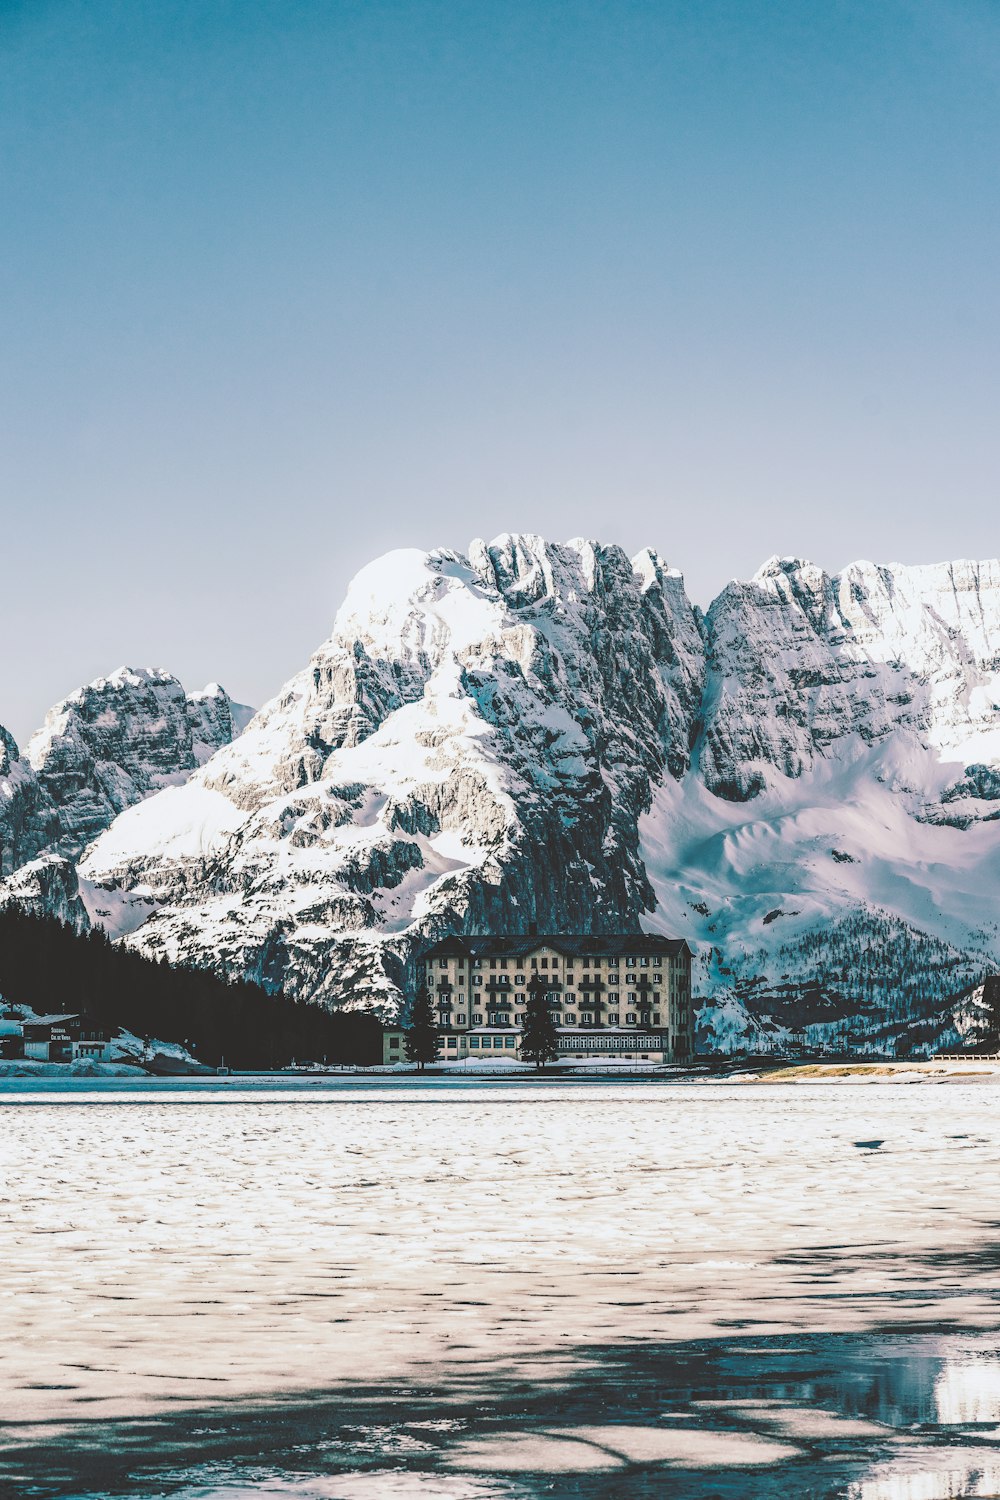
<point>287,283</point>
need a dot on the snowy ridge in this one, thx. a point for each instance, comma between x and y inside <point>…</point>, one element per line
<point>805,782</point>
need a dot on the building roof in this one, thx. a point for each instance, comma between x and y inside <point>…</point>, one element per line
<point>570,945</point>
<point>51,1020</point>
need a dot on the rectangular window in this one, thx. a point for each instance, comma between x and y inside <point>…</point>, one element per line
<point>570,1020</point>
<point>473,1041</point>
<point>503,963</point>
<point>657,963</point>
<point>493,963</point>
<point>630,1018</point>
<point>545,963</point>
<point>644,963</point>
<point>656,1018</point>
<point>453,1041</point>
<point>477,1020</point>
<point>460,1020</point>
<point>509,1041</point>
<point>520,963</point>
<point>613,1020</point>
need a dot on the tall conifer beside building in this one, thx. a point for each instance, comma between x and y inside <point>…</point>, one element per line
<point>421,1039</point>
<point>991,1000</point>
<point>539,1040</point>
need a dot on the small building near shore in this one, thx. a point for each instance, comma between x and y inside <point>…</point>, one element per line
<point>93,1043</point>
<point>50,1038</point>
<point>393,1044</point>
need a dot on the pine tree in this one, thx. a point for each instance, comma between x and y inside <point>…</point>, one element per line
<point>539,1040</point>
<point>991,1000</point>
<point>421,1039</point>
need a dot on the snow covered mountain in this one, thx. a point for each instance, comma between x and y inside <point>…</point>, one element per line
<point>473,745</point>
<point>106,746</point>
<point>805,782</point>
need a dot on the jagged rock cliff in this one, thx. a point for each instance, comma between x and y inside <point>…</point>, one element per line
<point>105,747</point>
<point>111,743</point>
<point>805,782</point>
<point>28,821</point>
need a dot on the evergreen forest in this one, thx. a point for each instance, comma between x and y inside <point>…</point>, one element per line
<point>54,969</point>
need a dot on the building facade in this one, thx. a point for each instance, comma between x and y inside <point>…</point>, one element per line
<point>618,996</point>
<point>50,1038</point>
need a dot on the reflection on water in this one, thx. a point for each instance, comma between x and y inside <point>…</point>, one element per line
<point>503,1291</point>
<point>968,1393</point>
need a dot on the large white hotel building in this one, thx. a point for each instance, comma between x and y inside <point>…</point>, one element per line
<point>625,996</point>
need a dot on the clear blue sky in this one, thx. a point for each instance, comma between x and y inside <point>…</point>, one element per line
<point>286,284</point>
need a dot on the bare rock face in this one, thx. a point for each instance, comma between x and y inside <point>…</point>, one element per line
<point>28,821</point>
<point>801,664</point>
<point>48,887</point>
<point>116,741</point>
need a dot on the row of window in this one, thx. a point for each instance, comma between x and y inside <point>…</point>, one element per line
<point>630,961</point>
<point>570,1019</point>
<point>570,998</point>
<point>477,980</point>
<point>498,1042</point>
<point>508,1043</point>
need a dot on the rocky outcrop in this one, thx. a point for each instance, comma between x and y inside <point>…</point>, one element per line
<point>117,740</point>
<point>800,664</point>
<point>28,821</point>
<point>48,887</point>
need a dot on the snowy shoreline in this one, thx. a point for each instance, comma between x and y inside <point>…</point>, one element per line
<point>15,1073</point>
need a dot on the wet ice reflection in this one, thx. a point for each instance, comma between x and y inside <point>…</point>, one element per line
<point>968,1393</point>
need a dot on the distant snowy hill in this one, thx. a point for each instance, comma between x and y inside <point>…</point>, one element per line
<point>805,782</point>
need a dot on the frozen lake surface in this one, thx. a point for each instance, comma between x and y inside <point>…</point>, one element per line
<point>446,1291</point>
